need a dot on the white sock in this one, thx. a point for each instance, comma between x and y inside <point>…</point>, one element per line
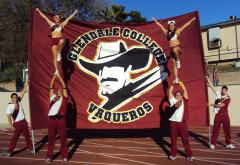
<point>59,57</point>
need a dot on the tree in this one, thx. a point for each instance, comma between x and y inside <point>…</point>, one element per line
<point>116,14</point>
<point>88,9</point>
<point>135,16</point>
<point>14,21</point>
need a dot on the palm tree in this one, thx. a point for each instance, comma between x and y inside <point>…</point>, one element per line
<point>114,14</point>
<point>135,16</point>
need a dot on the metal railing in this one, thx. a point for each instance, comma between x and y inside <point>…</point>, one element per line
<point>221,57</point>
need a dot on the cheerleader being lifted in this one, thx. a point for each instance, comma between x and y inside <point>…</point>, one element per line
<point>172,34</point>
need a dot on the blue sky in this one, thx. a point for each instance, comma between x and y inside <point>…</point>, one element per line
<point>210,11</point>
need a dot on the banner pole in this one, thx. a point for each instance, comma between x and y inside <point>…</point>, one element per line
<point>33,141</point>
<point>209,134</point>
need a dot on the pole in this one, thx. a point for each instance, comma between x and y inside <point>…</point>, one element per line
<point>209,134</point>
<point>33,142</point>
<point>219,58</point>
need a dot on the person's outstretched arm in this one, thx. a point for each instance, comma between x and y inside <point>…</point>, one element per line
<point>23,91</point>
<point>44,17</point>
<point>68,18</point>
<point>170,92</point>
<point>160,25</point>
<point>51,89</point>
<point>65,93</point>
<point>211,86</point>
<point>185,25</point>
<point>185,93</point>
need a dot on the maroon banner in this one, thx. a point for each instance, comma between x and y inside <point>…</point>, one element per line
<point>112,74</point>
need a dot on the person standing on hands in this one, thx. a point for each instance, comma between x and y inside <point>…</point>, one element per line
<point>172,34</point>
<point>17,121</point>
<point>56,119</point>
<point>58,41</point>
<point>178,125</point>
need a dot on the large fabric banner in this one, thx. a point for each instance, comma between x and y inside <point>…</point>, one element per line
<point>112,75</point>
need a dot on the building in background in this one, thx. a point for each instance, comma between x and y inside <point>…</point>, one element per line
<point>221,42</point>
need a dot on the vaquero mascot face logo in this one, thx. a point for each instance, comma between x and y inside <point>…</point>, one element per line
<point>113,66</point>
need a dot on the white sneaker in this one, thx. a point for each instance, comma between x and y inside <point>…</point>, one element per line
<point>59,57</point>
<point>172,157</point>
<point>56,72</point>
<point>230,146</point>
<point>212,147</point>
<point>48,160</point>
<point>8,154</point>
<point>191,158</point>
<point>65,160</point>
<point>176,81</point>
<point>30,151</point>
<point>178,64</point>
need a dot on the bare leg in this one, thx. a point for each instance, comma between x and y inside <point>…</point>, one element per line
<point>175,70</point>
<point>61,44</point>
<point>54,53</point>
<point>176,60</point>
<point>176,55</point>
